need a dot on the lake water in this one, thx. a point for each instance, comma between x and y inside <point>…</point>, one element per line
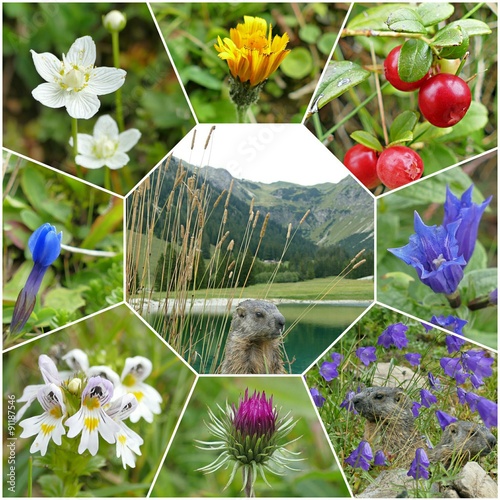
<point>312,332</point>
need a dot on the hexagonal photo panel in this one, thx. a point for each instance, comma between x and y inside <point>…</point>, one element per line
<point>410,410</point>
<point>250,249</point>
<point>90,92</point>
<point>211,451</point>
<point>249,62</point>
<point>438,257</point>
<point>409,91</point>
<point>62,249</point>
<point>90,409</point>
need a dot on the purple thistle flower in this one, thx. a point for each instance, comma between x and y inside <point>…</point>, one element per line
<point>453,368</point>
<point>488,411</point>
<point>366,354</point>
<point>413,358</point>
<point>427,398</point>
<point>379,459</point>
<point>394,335</point>
<point>45,247</point>
<point>453,344</point>
<point>444,419</point>
<point>347,402</point>
<point>452,323</point>
<point>255,415</point>
<point>468,214</point>
<point>461,393</point>
<point>328,371</point>
<point>361,456</point>
<point>434,382</point>
<point>318,399</point>
<point>419,466</point>
<point>415,409</point>
<point>434,253</point>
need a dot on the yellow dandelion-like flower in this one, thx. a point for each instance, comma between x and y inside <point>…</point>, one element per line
<point>251,52</point>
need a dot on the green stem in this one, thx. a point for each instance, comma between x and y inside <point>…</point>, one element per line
<point>107,178</point>
<point>473,10</point>
<point>30,476</point>
<point>115,38</point>
<point>74,134</point>
<point>241,113</point>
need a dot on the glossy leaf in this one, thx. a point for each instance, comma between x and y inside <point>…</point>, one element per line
<point>406,20</point>
<point>433,13</point>
<point>374,18</point>
<point>473,27</point>
<point>415,59</point>
<point>403,123</point>
<point>448,37</point>
<point>436,157</point>
<point>367,139</point>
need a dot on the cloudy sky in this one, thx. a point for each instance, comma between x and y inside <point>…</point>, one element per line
<point>263,153</point>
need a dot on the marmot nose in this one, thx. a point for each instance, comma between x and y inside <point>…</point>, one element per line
<point>280,322</point>
<point>356,400</point>
<point>492,440</point>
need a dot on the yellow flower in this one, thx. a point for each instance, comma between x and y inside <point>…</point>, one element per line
<point>251,52</point>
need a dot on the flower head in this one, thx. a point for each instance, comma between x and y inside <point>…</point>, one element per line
<point>107,147</point>
<point>450,323</point>
<point>329,370</point>
<point>427,398</point>
<point>361,456</point>
<point>366,354</point>
<point>45,245</point>
<point>444,419</point>
<point>347,403</point>
<point>318,399</point>
<point>419,466</point>
<point>114,21</point>
<point>454,343</point>
<point>394,335</point>
<point>251,52</point>
<point>415,408</point>
<point>379,459</point>
<point>433,381</point>
<point>488,411</point>
<point>413,358</point>
<point>250,436</point>
<point>74,82</point>
<point>453,368</point>
<point>434,253</point>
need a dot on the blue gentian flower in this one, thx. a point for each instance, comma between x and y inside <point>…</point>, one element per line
<point>444,419</point>
<point>434,253</point>
<point>366,354</point>
<point>318,399</point>
<point>394,335</point>
<point>488,410</point>
<point>469,215</point>
<point>361,456</point>
<point>413,358</point>
<point>419,466</point>
<point>427,398</point>
<point>379,459</point>
<point>45,247</point>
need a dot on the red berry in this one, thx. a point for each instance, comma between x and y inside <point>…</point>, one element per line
<point>399,165</point>
<point>444,99</point>
<point>392,74</point>
<point>362,162</point>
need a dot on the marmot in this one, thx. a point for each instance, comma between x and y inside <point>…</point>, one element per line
<point>255,341</point>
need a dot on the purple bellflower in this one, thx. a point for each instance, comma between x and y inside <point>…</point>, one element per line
<point>347,402</point>
<point>379,459</point>
<point>415,408</point>
<point>394,335</point>
<point>434,253</point>
<point>328,370</point>
<point>453,368</point>
<point>434,382</point>
<point>488,411</point>
<point>318,399</point>
<point>451,323</point>
<point>45,247</point>
<point>366,354</point>
<point>444,419</point>
<point>427,398</point>
<point>361,456</point>
<point>419,466</point>
<point>413,358</point>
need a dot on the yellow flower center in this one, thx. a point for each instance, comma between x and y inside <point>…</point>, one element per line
<point>105,147</point>
<point>122,438</point>
<point>91,423</point>
<point>129,380</point>
<point>47,429</point>
<point>56,412</point>
<point>91,403</point>
<point>138,395</point>
<point>74,79</point>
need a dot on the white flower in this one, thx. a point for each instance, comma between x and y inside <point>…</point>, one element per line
<point>77,360</point>
<point>107,147</point>
<point>75,82</point>
<point>128,442</point>
<point>114,20</point>
<point>107,373</point>
<point>49,424</point>
<point>91,419</point>
<point>135,371</point>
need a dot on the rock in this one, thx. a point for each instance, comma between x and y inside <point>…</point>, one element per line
<point>395,376</point>
<point>474,482</point>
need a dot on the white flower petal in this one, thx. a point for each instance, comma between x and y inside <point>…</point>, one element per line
<point>85,144</point>
<point>49,370</point>
<point>47,66</point>
<point>118,160</point>
<point>128,139</point>
<point>89,441</point>
<point>75,424</point>
<point>82,52</point>
<point>105,125</point>
<point>50,95</point>
<point>31,426</point>
<point>91,162</point>
<point>106,80</point>
<point>40,443</point>
<point>108,428</point>
<point>82,105</point>
<point>76,359</point>
<point>139,367</point>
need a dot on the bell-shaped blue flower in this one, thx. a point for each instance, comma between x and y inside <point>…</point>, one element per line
<point>434,253</point>
<point>45,247</point>
<point>469,214</point>
<point>419,466</point>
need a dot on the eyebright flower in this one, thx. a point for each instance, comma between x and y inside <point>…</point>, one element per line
<point>250,436</point>
<point>75,82</point>
<point>49,425</point>
<point>318,399</point>
<point>444,419</point>
<point>427,398</point>
<point>135,371</point>
<point>45,247</point>
<point>251,52</point>
<point>107,147</point>
<point>91,419</point>
<point>434,253</point>
<point>468,214</point>
<point>77,360</point>
<point>394,335</point>
<point>413,358</point>
<point>419,466</point>
<point>379,459</point>
<point>366,354</point>
<point>361,456</point>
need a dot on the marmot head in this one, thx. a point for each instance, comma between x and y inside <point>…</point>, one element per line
<point>377,403</point>
<point>257,320</point>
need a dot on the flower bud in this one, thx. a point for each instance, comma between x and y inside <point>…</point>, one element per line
<point>114,21</point>
<point>75,386</point>
<point>45,245</point>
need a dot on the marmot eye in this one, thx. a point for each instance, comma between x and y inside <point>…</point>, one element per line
<point>379,396</point>
<point>259,314</point>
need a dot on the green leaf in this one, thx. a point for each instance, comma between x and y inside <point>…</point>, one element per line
<point>433,13</point>
<point>472,26</point>
<point>374,18</point>
<point>340,76</point>
<point>415,59</point>
<point>403,123</point>
<point>105,224</point>
<point>406,20</point>
<point>309,33</point>
<point>52,485</point>
<point>458,51</point>
<point>31,219</point>
<point>447,37</point>
<point>367,140</point>
<point>298,64</point>
<point>404,137</point>
<point>325,43</point>
<point>436,157</point>
<point>479,259</point>
<point>475,119</point>
<point>478,282</point>
<point>69,300</point>
<point>201,77</point>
